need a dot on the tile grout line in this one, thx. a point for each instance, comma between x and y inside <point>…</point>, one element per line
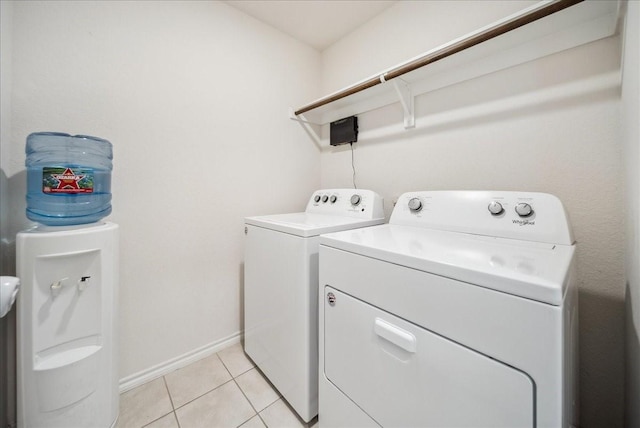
<point>175,415</point>
<point>252,406</point>
<point>233,378</point>
<point>264,376</point>
<point>174,408</point>
<point>166,414</point>
<point>254,366</point>
<point>168,393</point>
<point>224,365</point>
<point>239,374</point>
<point>203,394</point>
<point>163,416</point>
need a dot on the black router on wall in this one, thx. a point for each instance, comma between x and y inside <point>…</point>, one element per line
<point>343,131</point>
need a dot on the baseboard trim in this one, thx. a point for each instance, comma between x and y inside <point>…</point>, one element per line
<point>147,375</point>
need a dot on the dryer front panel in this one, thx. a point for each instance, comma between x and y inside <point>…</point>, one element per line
<point>401,374</point>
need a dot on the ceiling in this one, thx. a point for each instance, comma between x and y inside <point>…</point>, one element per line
<point>318,23</point>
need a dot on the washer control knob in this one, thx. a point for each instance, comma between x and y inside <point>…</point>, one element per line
<point>325,198</point>
<point>356,199</point>
<point>316,198</point>
<point>524,210</point>
<point>333,199</point>
<point>415,204</point>
<point>495,208</point>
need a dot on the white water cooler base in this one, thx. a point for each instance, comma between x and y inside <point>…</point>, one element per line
<point>67,353</point>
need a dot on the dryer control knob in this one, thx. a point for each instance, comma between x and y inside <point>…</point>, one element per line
<point>355,199</point>
<point>325,198</point>
<point>415,204</point>
<point>316,198</point>
<point>495,208</point>
<point>524,209</point>
<point>333,199</point>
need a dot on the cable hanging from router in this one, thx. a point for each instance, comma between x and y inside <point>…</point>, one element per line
<point>353,167</point>
<point>345,131</point>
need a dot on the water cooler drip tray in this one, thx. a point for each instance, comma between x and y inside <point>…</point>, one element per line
<point>79,369</point>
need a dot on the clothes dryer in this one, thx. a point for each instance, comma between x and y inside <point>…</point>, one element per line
<point>461,312</point>
<point>281,288</point>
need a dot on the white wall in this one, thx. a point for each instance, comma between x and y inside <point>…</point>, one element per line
<point>7,225</point>
<point>631,140</point>
<point>402,32</point>
<point>194,97</point>
<point>7,242</point>
<point>6,13</point>
<point>551,125</point>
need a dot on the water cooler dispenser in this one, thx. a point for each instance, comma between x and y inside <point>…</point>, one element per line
<point>67,305</point>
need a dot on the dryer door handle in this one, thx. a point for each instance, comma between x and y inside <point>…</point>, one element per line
<point>395,335</point>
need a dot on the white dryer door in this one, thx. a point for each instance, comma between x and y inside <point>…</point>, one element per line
<point>403,375</point>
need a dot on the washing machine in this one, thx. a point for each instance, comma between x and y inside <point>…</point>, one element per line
<point>281,288</point>
<point>461,312</point>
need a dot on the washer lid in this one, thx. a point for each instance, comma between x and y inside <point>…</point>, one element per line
<point>310,224</point>
<point>533,270</point>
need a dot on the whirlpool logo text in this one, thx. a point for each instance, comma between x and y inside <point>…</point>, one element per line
<point>524,222</point>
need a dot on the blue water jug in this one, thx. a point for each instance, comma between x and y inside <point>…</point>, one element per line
<point>68,178</point>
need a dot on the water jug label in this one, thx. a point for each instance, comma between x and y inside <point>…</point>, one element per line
<point>66,180</point>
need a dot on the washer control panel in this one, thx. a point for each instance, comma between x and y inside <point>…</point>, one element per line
<point>530,216</point>
<point>523,209</point>
<point>359,203</point>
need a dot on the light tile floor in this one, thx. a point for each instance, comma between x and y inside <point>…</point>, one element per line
<point>222,390</point>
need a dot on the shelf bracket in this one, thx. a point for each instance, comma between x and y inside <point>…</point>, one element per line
<point>312,129</point>
<point>403,89</point>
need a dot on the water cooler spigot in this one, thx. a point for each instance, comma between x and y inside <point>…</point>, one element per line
<point>83,282</point>
<point>56,287</point>
<point>8,291</point>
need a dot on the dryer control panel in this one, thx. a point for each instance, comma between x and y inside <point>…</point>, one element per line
<point>528,216</point>
<point>358,203</point>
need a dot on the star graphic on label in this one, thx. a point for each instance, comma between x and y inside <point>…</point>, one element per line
<point>68,179</point>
